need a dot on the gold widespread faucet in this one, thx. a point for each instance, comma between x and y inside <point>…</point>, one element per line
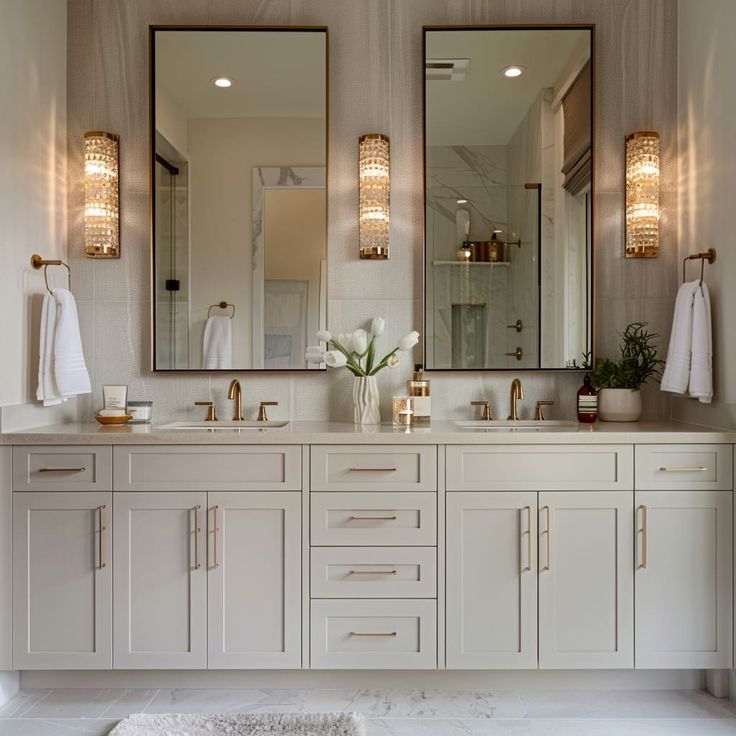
<point>517,393</point>
<point>235,393</point>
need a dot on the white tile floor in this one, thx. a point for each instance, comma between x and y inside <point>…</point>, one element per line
<point>73,712</point>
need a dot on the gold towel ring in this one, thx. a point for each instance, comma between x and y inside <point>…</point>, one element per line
<point>221,305</point>
<point>37,262</point>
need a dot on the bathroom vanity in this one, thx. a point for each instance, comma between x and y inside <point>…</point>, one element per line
<point>320,546</point>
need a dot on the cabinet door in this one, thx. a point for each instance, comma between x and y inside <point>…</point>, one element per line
<point>254,580</point>
<point>62,581</point>
<point>160,581</point>
<point>491,580</point>
<point>684,579</point>
<point>586,586</point>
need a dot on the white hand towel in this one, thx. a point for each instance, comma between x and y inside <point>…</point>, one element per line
<point>701,364</point>
<point>217,347</point>
<point>62,372</point>
<point>676,374</point>
<point>47,390</point>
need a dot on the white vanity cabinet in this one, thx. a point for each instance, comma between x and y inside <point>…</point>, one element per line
<point>160,581</point>
<point>491,580</point>
<point>586,580</point>
<point>684,573</point>
<point>62,580</point>
<point>254,580</point>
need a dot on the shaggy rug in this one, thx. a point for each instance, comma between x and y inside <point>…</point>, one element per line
<point>244,724</point>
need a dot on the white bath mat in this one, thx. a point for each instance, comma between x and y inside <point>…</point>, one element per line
<point>244,724</point>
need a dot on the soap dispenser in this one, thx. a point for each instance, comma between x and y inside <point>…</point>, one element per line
<point>587,402</point>
<point>419,391</point>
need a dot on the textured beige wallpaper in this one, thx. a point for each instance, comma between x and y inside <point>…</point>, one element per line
<point>375,84</point>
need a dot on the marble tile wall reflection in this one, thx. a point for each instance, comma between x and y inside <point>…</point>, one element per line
<point>375,84</point>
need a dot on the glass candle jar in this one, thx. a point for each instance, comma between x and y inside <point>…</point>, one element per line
<point>403,411</point>
<point>140,412</point>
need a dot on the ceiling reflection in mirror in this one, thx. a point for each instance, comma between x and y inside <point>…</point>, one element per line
<point>239,146</point>
<point>508,198</point>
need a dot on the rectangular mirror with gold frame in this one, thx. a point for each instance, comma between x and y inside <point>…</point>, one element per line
<point>238,196</point>
<point>508,154</point>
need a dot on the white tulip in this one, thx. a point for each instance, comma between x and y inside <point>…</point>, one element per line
<point>409,340</point>
<point>344,339</point>
<point>359,342</point>
<point>393,361</point>
<point>324,336</point>
<point>335,359</point>
<point>378,325</point>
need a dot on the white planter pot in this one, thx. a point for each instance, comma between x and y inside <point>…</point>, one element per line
<point>366,400</point>
<point>619,404</point>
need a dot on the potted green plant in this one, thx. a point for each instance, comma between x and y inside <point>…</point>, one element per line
<point>619,384</point>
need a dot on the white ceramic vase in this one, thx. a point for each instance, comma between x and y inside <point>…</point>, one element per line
<point>366,400</point>
<point>619,404</point>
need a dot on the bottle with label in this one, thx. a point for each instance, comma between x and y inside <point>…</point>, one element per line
<point>587,402</point>
<point>419,391</point>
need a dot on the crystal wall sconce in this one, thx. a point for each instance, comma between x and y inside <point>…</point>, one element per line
<point>642,195</point>
<point>101,195</point>
<point>374,189</point>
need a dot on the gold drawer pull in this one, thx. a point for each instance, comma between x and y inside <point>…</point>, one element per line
<point>388,634</point>
<point>374,572</point>
<point>373,470</point>
<point>373,518</point>
<point>101,549</point>
<point>61,470</point>
<point>197,530</point>
<point>699,469</point>
<point>644,530</point>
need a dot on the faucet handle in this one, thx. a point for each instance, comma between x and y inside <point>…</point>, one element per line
<point>486,409</point>
<point>262,416</point>
<point>538,412</point>
<point>211,414</point>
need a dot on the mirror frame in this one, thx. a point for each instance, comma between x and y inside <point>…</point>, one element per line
<point>590,27</point>
<point>152,30</point>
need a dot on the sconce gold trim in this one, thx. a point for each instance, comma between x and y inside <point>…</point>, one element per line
<point>642,194</point>
<point>374,195</point>
<point>101,194</point>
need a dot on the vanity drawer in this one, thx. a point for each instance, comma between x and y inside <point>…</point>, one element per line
<point>383,634</point>
<point>379,468</point>
<point>373,572</point>
<point>684,467</point>
<point>208,468</point>
<point>369,519</point>
<point>62,468</point>
<point>540,468</point>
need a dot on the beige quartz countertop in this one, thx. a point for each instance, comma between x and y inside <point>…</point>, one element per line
<point>325,433</point>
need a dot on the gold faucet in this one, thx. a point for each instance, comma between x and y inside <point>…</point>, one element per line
<point>517,392</point>
<point>235,393</point>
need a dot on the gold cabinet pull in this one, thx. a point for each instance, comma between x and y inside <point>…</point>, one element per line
<point>387,634</point>
<point>518,353</point>
<point>373,518</point>
<point>374,572</point>
<point>101,538</point>
<point>548,533</point>
<point>373,470</point>
<point>698,469</point>
<point>528,532</point>
<point>518,326</point>
<point>643,564</point>
<point>215,529</point>
<point>61,470</point>
<point>197,530</point>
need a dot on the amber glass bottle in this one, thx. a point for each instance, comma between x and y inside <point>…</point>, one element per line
<point>587,402</point>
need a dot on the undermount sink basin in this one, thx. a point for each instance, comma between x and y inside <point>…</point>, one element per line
<point>227,424</point>
<point>519,425</point>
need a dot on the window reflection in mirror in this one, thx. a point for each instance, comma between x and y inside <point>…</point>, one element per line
<point>239,134</point>
<point>508,191</point>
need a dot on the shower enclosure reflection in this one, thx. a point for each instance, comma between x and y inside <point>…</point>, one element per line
<point>508,186</point>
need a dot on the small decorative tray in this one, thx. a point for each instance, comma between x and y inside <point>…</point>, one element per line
<point>113,420</point>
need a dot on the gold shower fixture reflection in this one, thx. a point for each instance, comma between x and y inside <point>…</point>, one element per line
<point>101,195</point>
<point>374,190</point>
<point>642,195</point>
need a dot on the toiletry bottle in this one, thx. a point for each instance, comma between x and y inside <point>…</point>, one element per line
<point>587,402</point>
<point>419,391</point>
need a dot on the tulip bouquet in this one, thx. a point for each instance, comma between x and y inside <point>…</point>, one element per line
<point>356,351</point>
